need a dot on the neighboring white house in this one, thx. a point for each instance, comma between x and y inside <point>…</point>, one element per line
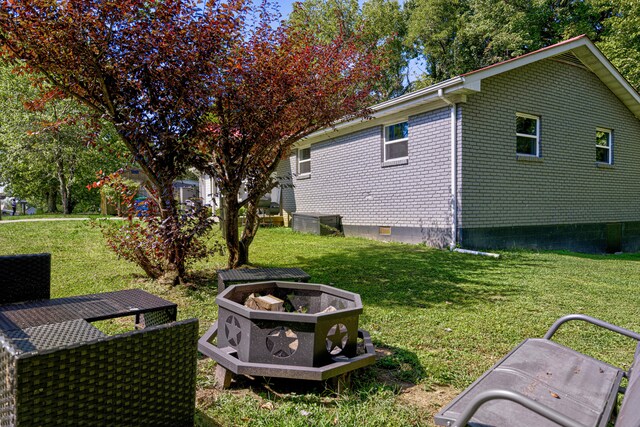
<point>211,196</point>
<point>186,189</point>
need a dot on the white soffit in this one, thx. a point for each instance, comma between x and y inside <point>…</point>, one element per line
<point>593,59</point>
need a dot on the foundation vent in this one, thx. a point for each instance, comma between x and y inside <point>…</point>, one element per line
<point>384,231</point>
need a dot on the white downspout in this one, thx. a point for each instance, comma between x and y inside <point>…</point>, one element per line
<point>454,168</point>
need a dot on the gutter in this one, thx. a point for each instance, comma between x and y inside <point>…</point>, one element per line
<point>401,103</point>
<point>454,168</point>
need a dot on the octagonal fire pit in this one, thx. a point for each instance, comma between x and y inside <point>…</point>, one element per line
<point>310,331</point>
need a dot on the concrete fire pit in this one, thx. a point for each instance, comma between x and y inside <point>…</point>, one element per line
<point>314,339</point>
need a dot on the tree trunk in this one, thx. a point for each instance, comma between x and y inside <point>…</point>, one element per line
<point>250,229</point>
<point>64,195</point>
<point>52,194</point>
<point>230,207</point>
<point>175,250</point>
<point>64,188</point>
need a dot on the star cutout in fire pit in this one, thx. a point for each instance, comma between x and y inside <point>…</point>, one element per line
<point>232,331</point>
<point>282,342</point>
<point>337,338</point>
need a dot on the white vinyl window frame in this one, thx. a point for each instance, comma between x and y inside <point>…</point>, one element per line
<point>386,142</point>
<point>535,138</point>
<point>608,147</point>
<point>304,158</point>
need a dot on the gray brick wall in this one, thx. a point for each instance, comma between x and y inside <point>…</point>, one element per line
<point>565,187</point>
<point>347,178</point>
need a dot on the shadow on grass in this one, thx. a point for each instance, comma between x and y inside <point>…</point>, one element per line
<point>203,420</point>
<point>634,256</point>
<point>396,369</point>
<point>407,275</point>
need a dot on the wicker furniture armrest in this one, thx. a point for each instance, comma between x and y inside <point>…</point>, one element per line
<point>25,277</point>
<point>140,378</point>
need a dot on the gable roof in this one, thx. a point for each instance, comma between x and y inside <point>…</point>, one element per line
<point>578,51</point>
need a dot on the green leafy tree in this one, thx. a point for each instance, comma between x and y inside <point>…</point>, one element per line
<point>458,36</point>
<point>621,40</point>
<point>433,30</point>
<point>49,152</point>
<point>380,23</point>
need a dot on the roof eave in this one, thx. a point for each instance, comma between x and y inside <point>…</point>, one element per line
<point>420,99</point>
<point>590,56</point>
<point>427,99</point>
<point>595,61</point>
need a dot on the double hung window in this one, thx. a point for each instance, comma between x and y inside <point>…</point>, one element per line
<point>527,134</point>
<point>396,141</point>
<point>604,153</point>
<point>304,161</point>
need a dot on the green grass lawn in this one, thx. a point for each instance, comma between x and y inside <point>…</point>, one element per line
<point>6,217</point>
<point>438,319</point>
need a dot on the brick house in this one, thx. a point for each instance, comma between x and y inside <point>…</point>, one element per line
<point>541,151</point>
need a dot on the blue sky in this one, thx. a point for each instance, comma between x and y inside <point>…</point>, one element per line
<point>286,7</point>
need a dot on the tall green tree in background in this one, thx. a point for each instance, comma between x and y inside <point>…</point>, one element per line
<point>457,36</point>
<point>433,30</point>
<point>621,40</point>
<point>379,22</point>
<point>49,153</point>
<point>445,38</point>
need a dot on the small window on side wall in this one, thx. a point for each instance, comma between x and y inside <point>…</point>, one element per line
<point>604,147</point>
<point>396,141</point>
<point>527,135</point>
<point>304,161</point>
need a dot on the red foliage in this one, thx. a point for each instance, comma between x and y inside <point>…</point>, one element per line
<point>191,83</point>
<point>144,65</point>
<point>144,235</point>
<point>277,85</point>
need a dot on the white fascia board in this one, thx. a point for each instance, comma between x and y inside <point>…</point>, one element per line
<point>418,93</point>
<point>427,99</point>
<point>500,68</point>
<point>417,102</point>
<point>603,68</point>
<point>587,52</point>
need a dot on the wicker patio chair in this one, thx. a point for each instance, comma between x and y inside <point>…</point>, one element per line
<point>25,277</point>
<point>71,374</point>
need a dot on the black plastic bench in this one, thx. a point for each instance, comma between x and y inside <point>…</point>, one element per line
<point>542,383</point>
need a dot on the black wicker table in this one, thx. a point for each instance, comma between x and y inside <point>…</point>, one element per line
<point>56,368</point>
<point>148,309</point>
<point>248,275</point>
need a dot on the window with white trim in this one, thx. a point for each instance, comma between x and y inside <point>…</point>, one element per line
<point>603,145</point>
<point>304,161</point>
<point>527,134</point>
<point>396,141</point>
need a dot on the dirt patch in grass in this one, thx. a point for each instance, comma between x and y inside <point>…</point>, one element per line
<point>389,372</point>
<point>431,399</point>
<point>421,396</point>
<point>206,397</point>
